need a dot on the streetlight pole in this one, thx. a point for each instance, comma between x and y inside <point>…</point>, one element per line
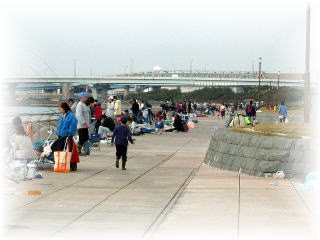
<point>260,60</point>
<point>306,94</point>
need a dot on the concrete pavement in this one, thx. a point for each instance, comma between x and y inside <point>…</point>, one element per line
<point>166,193</point>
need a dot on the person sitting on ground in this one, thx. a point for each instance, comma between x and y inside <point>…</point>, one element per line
<point>107,126</point>
<point>134,127</point>
<point>121,136</point>
<point>178,124</point>
<point>159,125</point>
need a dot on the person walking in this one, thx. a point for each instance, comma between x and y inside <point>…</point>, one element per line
<point>283,112</point>
<point>121,136</point>
<point>83,117</point>
<point>67,128</point>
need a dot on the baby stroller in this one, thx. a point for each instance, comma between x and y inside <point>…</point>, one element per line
<point>43,148</point>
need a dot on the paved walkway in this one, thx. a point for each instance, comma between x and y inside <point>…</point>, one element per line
<point>166,193</point>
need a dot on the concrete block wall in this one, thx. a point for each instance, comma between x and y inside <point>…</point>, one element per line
<point>257,155</point>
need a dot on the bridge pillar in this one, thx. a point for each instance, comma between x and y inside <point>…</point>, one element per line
<point>139,89</point>
<point>66,93</point>
<point>155,88</point>
<point>94,90</point>
<point>237,89</point>
<point>126,91</point>
<point>10,93</point>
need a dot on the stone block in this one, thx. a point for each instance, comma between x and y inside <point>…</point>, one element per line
<point>302,144</point>
<point>248,163</point>
<point>266,142</point>
<point>267,166</point>
<point>288,143</point>
<point>278,155</point>
<point>278,143</point>
<point>295,155</point>
<point>262,154</point>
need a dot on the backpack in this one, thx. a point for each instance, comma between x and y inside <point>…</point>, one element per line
<point>250,110</point>
<point>185,127</point>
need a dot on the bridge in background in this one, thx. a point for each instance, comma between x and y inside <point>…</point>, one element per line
<point>141,80</point>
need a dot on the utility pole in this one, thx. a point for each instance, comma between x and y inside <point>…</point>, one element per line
<point>131,65</point>
<point>74,68</point>
<point>306,94</point>
<point>278,86</point>
<point>191,61</point>
<point>260,60</point>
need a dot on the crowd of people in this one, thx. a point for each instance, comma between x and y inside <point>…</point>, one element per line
<point>109,120</point>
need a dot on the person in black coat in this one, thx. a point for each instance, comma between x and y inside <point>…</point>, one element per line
<point>135,108</point>
<point>178,124</point>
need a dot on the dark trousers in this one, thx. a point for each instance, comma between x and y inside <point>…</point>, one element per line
<point>121,152</point>
<point>97,125</point>
<point>83,136</point>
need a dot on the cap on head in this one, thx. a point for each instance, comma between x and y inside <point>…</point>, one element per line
<point>83,94</point>
<point>124,120</point>
<point>110,97</point>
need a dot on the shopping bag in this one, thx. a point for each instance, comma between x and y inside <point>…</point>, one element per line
<point>62,160</point>
<point>246,120</point>
<point>191,124</point>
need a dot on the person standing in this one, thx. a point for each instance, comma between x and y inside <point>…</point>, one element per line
<point>135,108</point>
<point>67,128</point>
<point>283,112</point>
<point>250,112</point>
<point>223,111</point>
<point>110,107</point>
<point>97,115</point>
<point>83,117</point>
<point>117,107</point>
<point>72,105</point>
<point>121,136</point>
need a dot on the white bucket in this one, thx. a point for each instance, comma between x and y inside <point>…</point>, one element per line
<point>32,170</point>
<point>18,169</point>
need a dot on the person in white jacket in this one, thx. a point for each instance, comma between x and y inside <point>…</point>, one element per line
<point>22,145</point>
<point>110,107</point>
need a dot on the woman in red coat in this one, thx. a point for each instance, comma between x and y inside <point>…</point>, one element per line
<point>98,116</point>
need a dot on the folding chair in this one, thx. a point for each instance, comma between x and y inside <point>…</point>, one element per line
<point>95,141</point>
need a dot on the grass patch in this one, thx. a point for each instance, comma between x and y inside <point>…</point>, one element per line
<point>287,130</point>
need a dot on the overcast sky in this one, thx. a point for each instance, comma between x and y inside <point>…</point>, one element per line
<point>103,38</point>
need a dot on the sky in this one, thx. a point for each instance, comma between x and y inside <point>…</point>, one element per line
<point>110,37</point>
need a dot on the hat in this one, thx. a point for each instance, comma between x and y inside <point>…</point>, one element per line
<point>83,94</point>
<point>124,119</point>
<point>110,97</point>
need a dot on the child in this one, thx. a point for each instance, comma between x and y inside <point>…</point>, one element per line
<point>159,125</point>
<point>121,135</point>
